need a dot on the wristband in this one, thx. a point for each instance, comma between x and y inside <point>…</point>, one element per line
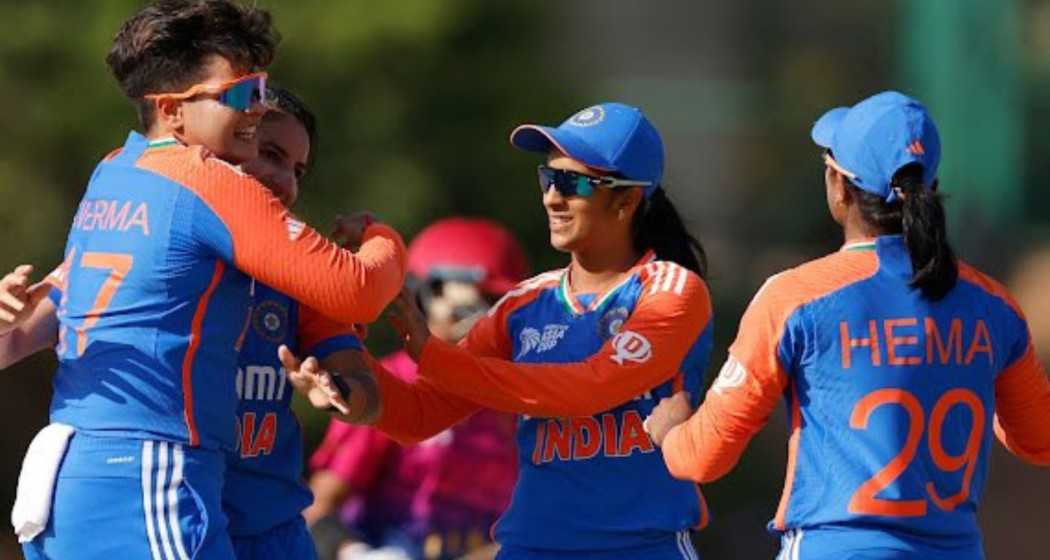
<point>341,386</point>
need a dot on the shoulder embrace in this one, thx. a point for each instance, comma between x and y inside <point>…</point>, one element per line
<point>991,286</point>
<point>526,290</point>
<point>817,278</point>
<point>197,169</point>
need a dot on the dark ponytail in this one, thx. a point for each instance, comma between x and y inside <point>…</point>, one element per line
<point>918,214</point>
<point>657,225</point>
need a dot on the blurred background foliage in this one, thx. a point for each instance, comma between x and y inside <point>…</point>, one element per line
<point>416,99</point>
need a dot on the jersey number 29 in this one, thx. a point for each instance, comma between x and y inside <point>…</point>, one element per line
<point>864,501</point>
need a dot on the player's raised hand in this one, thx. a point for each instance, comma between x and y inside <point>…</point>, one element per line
<point>409,322</point>
<point>18,298</point>
<point>671,412</point>
<point>349,231</point>
<point>309,379</point>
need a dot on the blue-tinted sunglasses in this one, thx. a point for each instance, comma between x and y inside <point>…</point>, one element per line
<point>240,94</point>
<point>571,183</point>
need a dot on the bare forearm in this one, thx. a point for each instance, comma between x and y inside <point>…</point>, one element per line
<point>363,390</point>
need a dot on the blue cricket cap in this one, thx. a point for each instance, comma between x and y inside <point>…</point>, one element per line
<point>611,137</point>
<point>873,139</point>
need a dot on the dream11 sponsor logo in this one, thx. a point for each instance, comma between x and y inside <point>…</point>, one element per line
<point>629,346</point>
<point>731,376</point>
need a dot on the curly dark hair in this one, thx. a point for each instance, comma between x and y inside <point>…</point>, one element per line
<point>163,47</point>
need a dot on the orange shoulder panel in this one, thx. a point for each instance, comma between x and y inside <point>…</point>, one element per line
<point>753,380</point>
<point>274,247</point>
<point>488,337</point>
<point>988,284</point>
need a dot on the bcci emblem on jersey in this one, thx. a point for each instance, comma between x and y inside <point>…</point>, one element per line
<point>270,321</point>
<point>611,323</point>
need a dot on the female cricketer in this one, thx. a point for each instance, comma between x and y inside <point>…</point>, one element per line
<point>263,490</point>
<point>582,353</point>
<point>156,292</point>
<point>897,362</point>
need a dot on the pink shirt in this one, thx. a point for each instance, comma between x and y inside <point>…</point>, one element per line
<point>459,480</point>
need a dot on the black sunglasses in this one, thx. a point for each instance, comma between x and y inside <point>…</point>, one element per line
<point>571,183</point>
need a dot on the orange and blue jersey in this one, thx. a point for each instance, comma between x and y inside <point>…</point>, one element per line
<point>156,292</point>
<point>583,373</point>
<point>264,485</point>
<point>263,493</point>
<point>891,402</point>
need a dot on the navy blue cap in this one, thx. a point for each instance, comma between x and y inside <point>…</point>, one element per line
<point>611,137</point>
<point>873,139</point>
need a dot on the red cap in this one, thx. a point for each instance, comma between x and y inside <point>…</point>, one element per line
<point>469,250</point>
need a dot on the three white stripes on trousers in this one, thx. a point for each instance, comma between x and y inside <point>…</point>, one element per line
<point>685,545</point>
<point>789,544</point>
<point>160,499</point>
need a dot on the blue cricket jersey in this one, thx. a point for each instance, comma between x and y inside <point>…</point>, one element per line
<point>156,291</point>
<point>264,478</point>
<point>585,374</point>
<point>891,400</point>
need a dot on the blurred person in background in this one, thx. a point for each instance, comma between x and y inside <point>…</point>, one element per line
<point>437,499</point>
<point>898,363</point>
<point>263,492</point>
<point>582,353</point>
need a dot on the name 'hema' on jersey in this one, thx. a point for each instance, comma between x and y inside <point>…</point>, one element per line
<point>910,341</point>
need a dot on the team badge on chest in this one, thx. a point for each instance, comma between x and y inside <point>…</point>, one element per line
<point>611,323</point>
<point>270,321</point>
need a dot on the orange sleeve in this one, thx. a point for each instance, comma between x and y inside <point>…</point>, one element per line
<point>414,411</point>
<point>272,246</point>
<point>488,337</point>
<point>742,398</point>
<point>1022,409</point>
<point>320,336</point>
<point>648,350</point>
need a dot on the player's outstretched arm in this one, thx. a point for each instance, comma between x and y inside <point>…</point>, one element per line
<point>318,384</point>
<point>750,384</point>
<point>669,412</point>
<point>27,318</point>
<point>648,351</point>
<point>408,412</point>
<point>239,220</point>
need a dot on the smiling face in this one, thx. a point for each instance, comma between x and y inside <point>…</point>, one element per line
<point>203,121</point>
<point>284,151</point>
<point>580,223</point>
